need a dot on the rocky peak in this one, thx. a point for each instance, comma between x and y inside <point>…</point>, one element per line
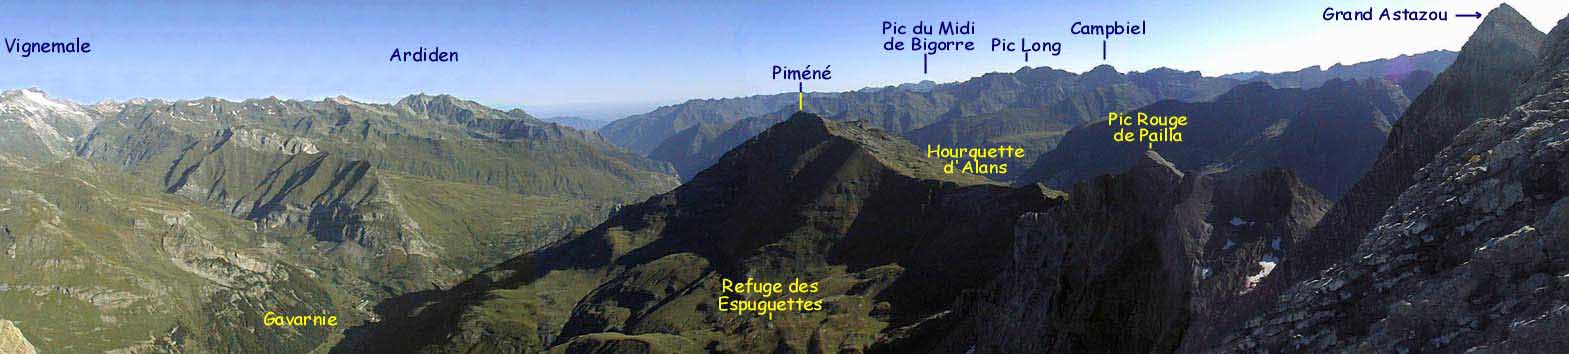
<point>1554,61</point>
<point>36,126</point>
<point>449,109</point>
<point>1152,169</point>
<point>1505,24</point>
<point>35,100</point>
<point>342,100</point>
<point>1499,56</point>
<point>1102,75</point>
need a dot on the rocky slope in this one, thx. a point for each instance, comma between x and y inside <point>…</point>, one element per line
<point>1329,134</point>
<point>1498,57</point>
<point>854,208</point>
<point>1469,258</point>
<point>12,341</point>
<point>1131,259</point>
<point>97,261</point>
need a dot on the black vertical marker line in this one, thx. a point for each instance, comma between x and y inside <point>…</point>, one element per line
<point>923,63</point>
<point>1102,49</point>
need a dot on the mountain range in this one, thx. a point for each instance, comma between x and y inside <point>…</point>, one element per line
<point>578,123</point>
<point>1156,257</point>
<point>162,225</point>
<point>1032,108</point>
<point>1314,76</point>
<point>1413,204</point>
<point>1331,134</point>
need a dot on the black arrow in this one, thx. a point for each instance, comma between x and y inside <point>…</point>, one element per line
<point>1472,14</point>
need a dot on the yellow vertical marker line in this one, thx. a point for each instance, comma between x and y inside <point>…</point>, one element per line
<point>800,97</point>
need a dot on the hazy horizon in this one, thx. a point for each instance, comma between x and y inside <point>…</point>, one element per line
<point>613,110</point>
<point>541,54</point>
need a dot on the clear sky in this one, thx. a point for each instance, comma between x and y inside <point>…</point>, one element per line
<point>544,54</point>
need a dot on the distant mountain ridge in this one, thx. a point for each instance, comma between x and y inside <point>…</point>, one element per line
<point>578,123</point>
<point>1329,134</point>
<point>1314,76</point>
<point>1029,108</point>
<point>1026,108</point>
<point>642,133</point>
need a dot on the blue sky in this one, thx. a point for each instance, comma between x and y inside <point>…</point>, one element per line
<point>574,53</point>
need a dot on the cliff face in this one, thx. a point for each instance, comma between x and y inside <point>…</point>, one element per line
<point>1130,260</point>
<point>1469,258</point>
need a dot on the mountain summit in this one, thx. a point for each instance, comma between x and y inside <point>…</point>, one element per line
<point>38,128</point>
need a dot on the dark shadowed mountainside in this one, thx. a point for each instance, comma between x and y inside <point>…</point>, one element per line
<point>891,239</point>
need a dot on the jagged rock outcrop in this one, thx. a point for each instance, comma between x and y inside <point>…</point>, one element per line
<point>1469,258</point>
<point>12,341</point>
<point>1500,55</point>
<point>891,239</point>
<point>1130,260</point>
